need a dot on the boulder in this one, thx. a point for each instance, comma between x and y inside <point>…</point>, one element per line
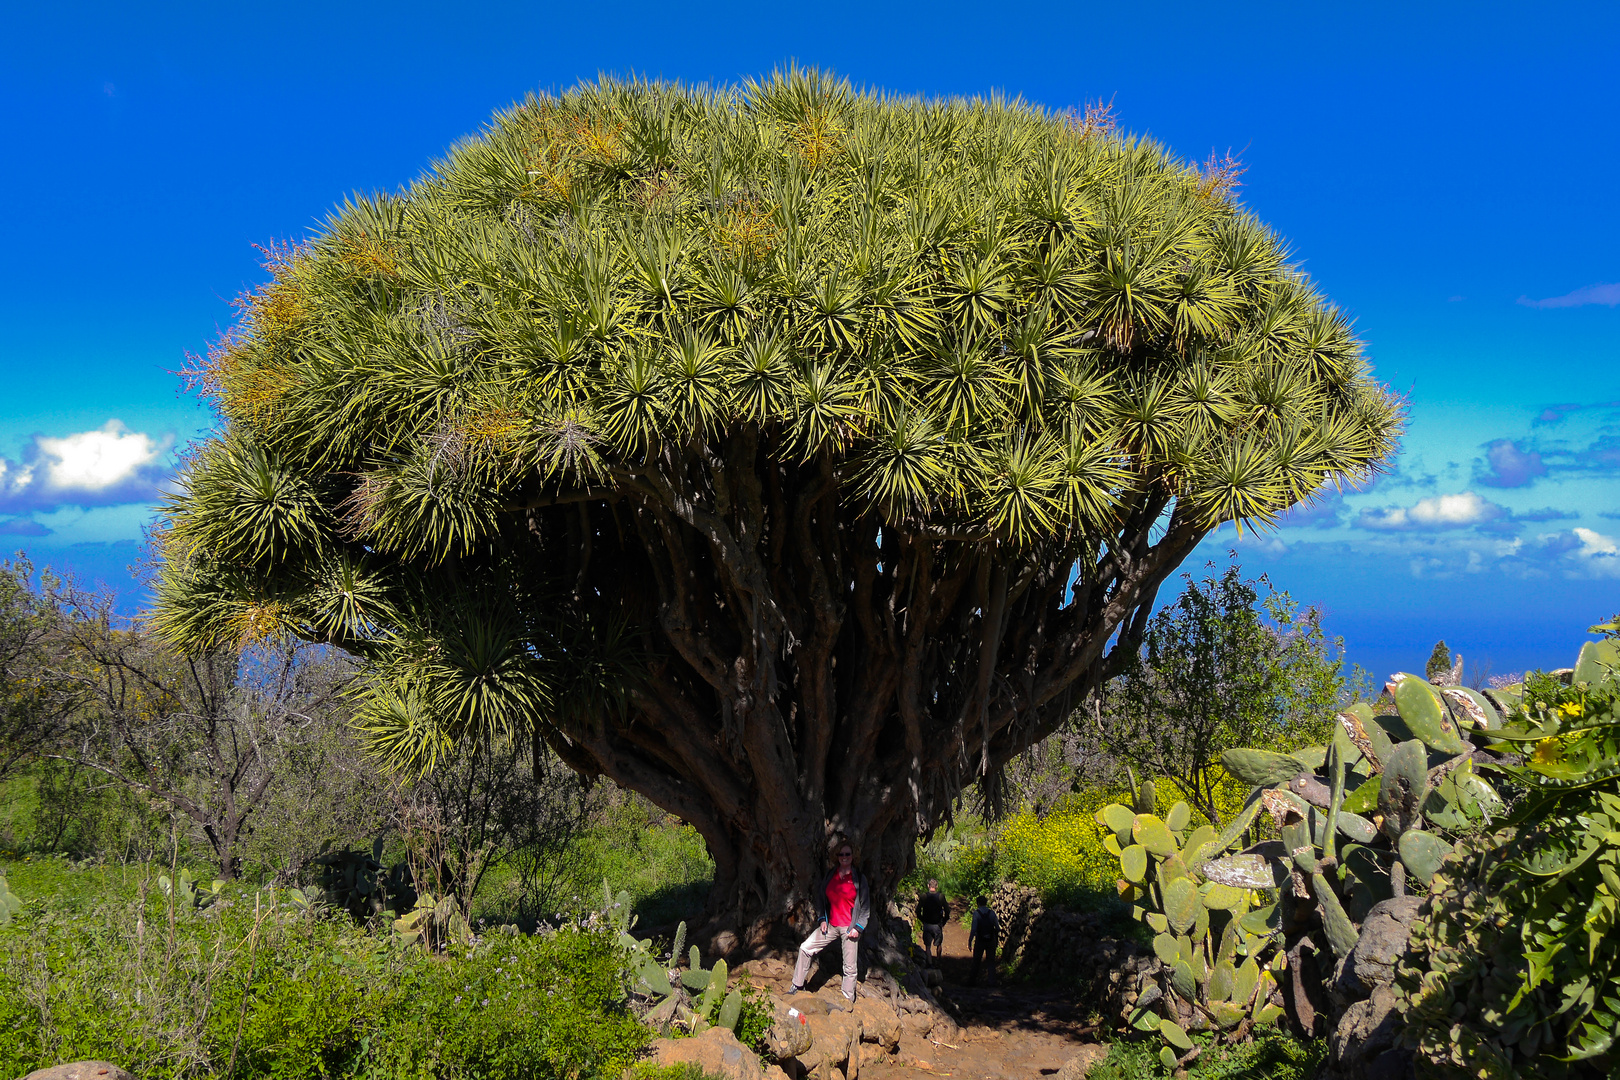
<point>1077,1067</point>
<point>1383,939</point>
<point>789,1035</point>
<point>879,1022</point>
<point>1363,1041</point>
<point>716,1051</point>
<point>81,1070</point>
<point>835,1043</point>
<point>767,968</point>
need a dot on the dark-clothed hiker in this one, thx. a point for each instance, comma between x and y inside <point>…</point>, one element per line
<point>983,937</point>
<point>932,911</point>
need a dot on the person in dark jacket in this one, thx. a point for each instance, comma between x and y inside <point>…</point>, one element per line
<point>932,911</point>
<point>843,907</point>
<point>983,936</point>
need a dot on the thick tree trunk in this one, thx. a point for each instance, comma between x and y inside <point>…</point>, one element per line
<point>818,674</point>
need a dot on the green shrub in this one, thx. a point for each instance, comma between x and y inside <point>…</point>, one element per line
<point>685,1070</point>
<point>1272,1054</point>
<point>1061,853</point>
<point>173,994</point>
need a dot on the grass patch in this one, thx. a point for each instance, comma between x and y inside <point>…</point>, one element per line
<point>1272,1054</point>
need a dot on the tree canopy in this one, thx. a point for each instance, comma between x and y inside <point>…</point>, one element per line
<point>788,453</point>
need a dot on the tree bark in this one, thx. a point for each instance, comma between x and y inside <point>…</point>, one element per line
<point>814,673</point>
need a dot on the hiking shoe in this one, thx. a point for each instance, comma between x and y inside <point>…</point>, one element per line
<point>793,990</point>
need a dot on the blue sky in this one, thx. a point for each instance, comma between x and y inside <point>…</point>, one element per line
<point>1446,172</point>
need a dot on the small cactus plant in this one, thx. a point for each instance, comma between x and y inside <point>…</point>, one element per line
<point>666,992</point>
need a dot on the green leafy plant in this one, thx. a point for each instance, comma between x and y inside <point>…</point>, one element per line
<point>186,890</point>
<point>667,990</point>
<point>1515,968</point>
<point>435,923</point>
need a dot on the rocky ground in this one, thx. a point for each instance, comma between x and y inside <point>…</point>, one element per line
<point>987,1032</point>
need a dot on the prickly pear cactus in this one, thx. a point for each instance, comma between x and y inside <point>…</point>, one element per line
<point>664,992</point>
<point>1515,968</point>
<point>10,902</point>
<point>1209,931</point>
<point>1370,815</point>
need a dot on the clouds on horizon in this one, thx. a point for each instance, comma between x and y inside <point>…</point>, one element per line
<point>1438,512</point>
<point>106,467</point>
<point>1601,293</point>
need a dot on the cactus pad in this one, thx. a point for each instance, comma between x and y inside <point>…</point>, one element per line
<point>1261,768</point>
<point>1403,787</point>
<point>1181,904</point>
<point>1426,716</point>
<point>1154,834</point>
<point>1422,852</point>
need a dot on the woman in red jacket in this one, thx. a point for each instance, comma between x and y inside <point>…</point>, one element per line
<point>843,904</point>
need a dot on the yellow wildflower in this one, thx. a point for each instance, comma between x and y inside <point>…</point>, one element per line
<point>1570,709</point>
<point>1548,751</point>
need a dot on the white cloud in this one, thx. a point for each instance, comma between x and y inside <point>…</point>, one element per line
<point>1435,512</point>
<point>106,467</point>
<point>96,460</point>
<point>1591,294</point>
<point>1598,553</point>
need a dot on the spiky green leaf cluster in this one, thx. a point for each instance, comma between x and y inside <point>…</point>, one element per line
<point>989,320</point>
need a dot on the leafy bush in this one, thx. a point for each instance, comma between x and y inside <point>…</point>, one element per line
<point>1272,1054</point>
<point>1515,967</point>
<point>681,1070</point>
<point>962,857</point>
<point>253,986</point>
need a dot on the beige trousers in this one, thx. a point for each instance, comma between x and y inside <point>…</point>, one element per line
<point>821,937</point>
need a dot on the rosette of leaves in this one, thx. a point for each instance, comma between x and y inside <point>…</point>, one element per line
<point>1210,935</point>
<point>1515,968</point>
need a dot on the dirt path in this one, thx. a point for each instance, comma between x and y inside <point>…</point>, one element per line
<point>1007,1032</point>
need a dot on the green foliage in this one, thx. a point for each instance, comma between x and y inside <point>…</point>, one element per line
<point>1330,865</point>
<point>1439,665</point>
<point>1231,663</point>
<point>1515,970</point>
<point>683,1070</point>
<point>1061,852</point>
<point>358,883</point>
<point>10,902</point>
<point>187,892</point>
<point>255,987</point>
<point>963,856</point>
<point>1272,1054</point>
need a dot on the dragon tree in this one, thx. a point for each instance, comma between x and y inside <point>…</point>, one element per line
<point>792,455</point>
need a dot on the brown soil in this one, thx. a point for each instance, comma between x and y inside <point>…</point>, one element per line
<point>1008,1032</point>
